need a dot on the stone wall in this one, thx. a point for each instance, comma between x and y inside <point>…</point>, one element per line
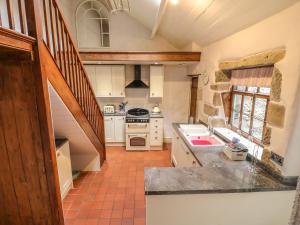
<point>276,110</point>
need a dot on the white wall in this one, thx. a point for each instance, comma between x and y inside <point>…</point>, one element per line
<point>276,31</point>
<point>126,33</point>
<point>174,104</point>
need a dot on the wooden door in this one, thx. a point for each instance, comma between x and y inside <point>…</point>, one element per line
<point>104,81</point>
<point>118,81</point>
<point>194,92</point>
<point>156,81</point>
<point>29,186</point>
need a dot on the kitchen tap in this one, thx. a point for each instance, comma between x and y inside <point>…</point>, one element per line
<point>210,126</point>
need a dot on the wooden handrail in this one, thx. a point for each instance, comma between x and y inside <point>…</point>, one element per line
<point>66,55</point>
<point>62,47</point>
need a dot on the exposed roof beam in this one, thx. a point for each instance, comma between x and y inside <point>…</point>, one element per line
<point>160,14</point>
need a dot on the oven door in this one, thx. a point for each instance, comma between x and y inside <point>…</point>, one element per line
<point>137,142</point>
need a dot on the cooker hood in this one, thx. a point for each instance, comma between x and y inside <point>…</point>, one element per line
<point>137,83</point>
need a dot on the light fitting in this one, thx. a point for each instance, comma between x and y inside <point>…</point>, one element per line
<point>174,2</point>
<point>118,5</point>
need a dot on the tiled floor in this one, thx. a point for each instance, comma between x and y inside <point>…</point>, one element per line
<point>114,196</point>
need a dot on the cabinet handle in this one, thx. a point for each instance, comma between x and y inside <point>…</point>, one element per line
<point>155,138</point>
<point>121,93</point>
<point>177,138</point>
<point>58,154</point>
<point>152,94</point>
<point>156,120</point>
<point>187,153</point>
<point>109,93</point>
<point>111,118</point>
<point>156,132</point>
<point>194,162</point>
<point>155,126</point>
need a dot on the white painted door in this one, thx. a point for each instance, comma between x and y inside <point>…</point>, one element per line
<point>104,81</point>
<point>109,128</point>
<point>118,81</point>
<point>156,81</point>
<point>91,72</point>
<point>119,128</point>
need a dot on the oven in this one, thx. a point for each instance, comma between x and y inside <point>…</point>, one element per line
<point>137,130</point>
<point>137,142</point>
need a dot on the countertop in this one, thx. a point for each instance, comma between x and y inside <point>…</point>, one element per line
<point>218,174</point>
<point>115,114</point>
<point>156,115</point>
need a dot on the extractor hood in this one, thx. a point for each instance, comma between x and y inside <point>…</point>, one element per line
<point>137,83</point>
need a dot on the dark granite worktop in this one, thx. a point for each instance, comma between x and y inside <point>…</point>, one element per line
<point>218,174</point>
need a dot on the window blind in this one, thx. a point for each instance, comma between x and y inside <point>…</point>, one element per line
<point>257,77</point>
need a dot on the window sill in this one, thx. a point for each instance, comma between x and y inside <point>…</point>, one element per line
<point>228,134</point>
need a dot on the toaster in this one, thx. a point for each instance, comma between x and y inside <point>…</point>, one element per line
<point>109,109</point>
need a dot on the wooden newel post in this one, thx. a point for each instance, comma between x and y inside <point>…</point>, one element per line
<point>35,29</point>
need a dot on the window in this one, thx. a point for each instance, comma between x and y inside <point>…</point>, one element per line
<point>249,107</point>
<point>92,23</point>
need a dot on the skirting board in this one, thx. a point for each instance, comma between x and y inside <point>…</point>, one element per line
<point>115,144</point>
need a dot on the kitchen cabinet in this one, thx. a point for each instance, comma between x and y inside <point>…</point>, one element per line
<point>156,81</point>
<point>107,81</point>
<point>114,128</point>
<point>181,154</point>
<point>103,81</point>
<point>119,125</point>
<point>118,81</point>
<point>64,168</point>
<point>156,133</point>
<point>109,127</point>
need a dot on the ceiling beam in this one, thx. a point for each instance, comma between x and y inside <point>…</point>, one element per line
<point>160,15</point>
<point>141,56</point>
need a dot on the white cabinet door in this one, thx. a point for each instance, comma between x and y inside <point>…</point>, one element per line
<point>109,126</point>
<point>104,81</point>
<point>119,129</point>
<point>118,81</point>
<point>156,81</point>
<point>156,132</point>
<point>91,72</point>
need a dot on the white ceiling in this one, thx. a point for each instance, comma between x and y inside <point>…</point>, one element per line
<point>204,21</point>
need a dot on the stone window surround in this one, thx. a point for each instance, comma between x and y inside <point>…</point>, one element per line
<point>276,111</point>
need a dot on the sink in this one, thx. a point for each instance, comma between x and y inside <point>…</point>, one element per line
<point>192,126</point>
<point>205,142</point>
<point>194,130</point>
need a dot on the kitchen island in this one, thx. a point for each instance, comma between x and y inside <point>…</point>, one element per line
<point>218,191</point>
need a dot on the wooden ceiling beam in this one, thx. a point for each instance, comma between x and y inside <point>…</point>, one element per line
<point>141,56</point>
<point>159,17</point>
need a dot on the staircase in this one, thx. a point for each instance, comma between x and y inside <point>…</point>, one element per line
<point>36,49</point>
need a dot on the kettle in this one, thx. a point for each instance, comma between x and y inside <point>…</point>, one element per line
<point>156,109</point>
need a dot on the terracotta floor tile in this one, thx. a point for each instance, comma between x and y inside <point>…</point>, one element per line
<point>126,221</point>
<point>128,213</point>
<point>116,221</point>
<point>115,195</point>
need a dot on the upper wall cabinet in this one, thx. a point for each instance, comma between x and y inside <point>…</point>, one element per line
<point>107,81</point>
<point>156,81</point>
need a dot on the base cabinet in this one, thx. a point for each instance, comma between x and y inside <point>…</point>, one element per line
<point>181,155</point>
<point>64,168</point>
<point>156,133</point>
<point>114,129</point>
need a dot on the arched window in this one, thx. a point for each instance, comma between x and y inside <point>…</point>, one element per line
<point>92,24</point>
